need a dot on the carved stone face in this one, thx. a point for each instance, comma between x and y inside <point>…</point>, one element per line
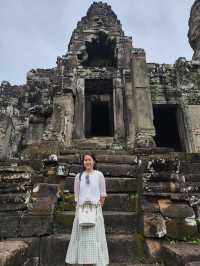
<point>194,29</point>
<point>98,21</point>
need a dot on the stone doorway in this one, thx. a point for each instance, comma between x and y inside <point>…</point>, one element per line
<point>167,128</point>
<point>99,118</point>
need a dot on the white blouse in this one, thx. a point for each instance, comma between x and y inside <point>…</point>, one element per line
<point>89,192</point>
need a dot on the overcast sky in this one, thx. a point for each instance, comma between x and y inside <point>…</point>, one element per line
<point>34,32</point>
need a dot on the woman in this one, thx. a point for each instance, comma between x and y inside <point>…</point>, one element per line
<point>88,245</point>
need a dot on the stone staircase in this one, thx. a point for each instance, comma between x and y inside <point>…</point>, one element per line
<point>15,181</point>
<point>120,210</point>
<point>147,194</point>
<point>169,184</point>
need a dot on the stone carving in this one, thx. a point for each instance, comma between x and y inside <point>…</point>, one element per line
<point>144,139</point>
<point>152,190</point>
<point>194,25</point>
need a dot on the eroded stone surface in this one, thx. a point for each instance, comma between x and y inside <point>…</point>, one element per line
<point>12,252</point>
<point>154,225</point>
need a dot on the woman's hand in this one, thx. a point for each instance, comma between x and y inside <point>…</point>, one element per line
<point>102,199</point>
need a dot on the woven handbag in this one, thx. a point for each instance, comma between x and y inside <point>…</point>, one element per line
<point>87,215</point>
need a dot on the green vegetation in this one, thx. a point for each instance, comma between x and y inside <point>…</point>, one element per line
<point>133,199</point>
<point>66,202</point>
<point>188,239</point>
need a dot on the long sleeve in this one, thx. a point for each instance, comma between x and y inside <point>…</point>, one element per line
<point>102,186</point>
<point>76,187</point>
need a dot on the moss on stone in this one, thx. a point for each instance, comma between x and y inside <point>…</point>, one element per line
<point>38,151</point>
<point>62,222</point>
<point>66,202</point>
<point>133,199</point>
<point>178,229</point>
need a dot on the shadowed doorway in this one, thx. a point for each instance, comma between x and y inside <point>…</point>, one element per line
<point>99,108</point>
<point>165,122</point>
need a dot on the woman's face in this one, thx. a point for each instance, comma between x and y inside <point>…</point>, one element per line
<point>88,162</point>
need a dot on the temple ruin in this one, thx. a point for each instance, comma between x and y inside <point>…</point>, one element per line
<point>142,122</point>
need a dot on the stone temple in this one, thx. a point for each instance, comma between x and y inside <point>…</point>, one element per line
<point>141,120</point>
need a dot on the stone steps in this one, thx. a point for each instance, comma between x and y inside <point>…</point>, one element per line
<point>170,177</point>
<point>100,158</point>
<point>115,222</point>
<point>171,187</point>
<point>12,201</point>
<point>114,202</point>
<point>115,170</point>
<point>121,171</point>
<point>113,184</point>
<point>69,151</point>
<point>53,249</point>
<point>181,254</point>
<point>13,188</point>
<point>118,202</point>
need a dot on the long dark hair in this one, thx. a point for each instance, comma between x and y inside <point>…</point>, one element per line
<point>91,155</point>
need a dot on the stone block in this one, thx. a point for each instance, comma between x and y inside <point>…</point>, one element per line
<point>149,205</point>
<point>111,169</point>
<point>193,263</point>
<point>43,198</point>
<point>115,222</point>
<point>12,252</point>
<point>35,225</point>
<point>53,250</point>
<point>43,206</point>
<point>32,262</point>
<point>180,229</point>
<point>179,254</point>
<point>117,159</point>
<point>154,225</point>
<point>10,175</point>
<point>33,251</point>
<point>12,202</point>
<point>70,159</point>
<point>63,222</point>
<point>113,184</point>
<point>9,222</point>
<point>175,210</point>
<point>154,247</point>
<point>118,202</point>
<point>119,170</point>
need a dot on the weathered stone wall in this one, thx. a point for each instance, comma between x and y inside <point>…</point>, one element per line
<point>51,106</point>
<point>179,85</point>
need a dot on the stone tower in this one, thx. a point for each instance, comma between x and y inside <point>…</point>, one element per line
<point>104,95</point>
<point>107,78</point>
<point>141,120</point>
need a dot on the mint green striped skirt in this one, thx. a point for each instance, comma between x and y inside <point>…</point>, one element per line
<point>88,245</point>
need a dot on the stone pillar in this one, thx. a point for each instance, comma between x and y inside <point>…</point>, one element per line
<point>6,128</point>
<point>62,121</point>
<point>130,111</point>
<point>144,111</point>
<point>79,116</point>
<point>119,129</point>
<point>193,113</point>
